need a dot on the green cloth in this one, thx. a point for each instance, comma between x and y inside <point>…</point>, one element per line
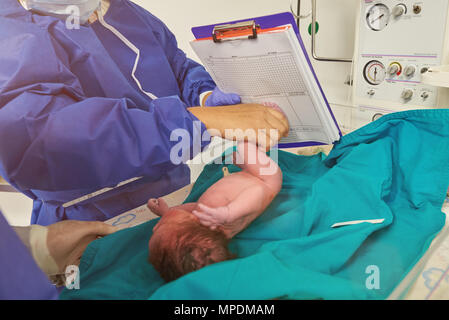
<point>396,169</point>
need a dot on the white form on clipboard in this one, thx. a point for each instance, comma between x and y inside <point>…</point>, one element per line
<point>273,68</point>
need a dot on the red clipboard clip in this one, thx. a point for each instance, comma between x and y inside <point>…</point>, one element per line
<point>236,31</point>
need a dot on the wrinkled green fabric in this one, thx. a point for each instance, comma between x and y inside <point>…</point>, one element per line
<point>396,169</point>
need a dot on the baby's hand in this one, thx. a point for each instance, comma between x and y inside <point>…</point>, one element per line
<point>275,107</point>
<point>212,217</point>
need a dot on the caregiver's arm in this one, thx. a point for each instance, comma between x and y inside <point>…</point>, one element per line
<point>53,136</point>
<point>196,84</point>
<point>62,244</point>
<point>240,121</point>
<point>20,277</point>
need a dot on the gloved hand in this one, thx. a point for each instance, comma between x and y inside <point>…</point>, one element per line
<point>62,244</point>
<point>219,98</point>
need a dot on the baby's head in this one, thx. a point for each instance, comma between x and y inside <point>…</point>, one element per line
<point>180,245</point>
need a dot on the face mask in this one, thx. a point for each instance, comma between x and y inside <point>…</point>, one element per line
<point>64,8</point>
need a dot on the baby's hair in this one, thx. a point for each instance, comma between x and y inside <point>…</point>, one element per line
<point>193,247</point>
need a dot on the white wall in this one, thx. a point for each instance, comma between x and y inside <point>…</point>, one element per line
<point>181,15</point>
<point>16,208</point>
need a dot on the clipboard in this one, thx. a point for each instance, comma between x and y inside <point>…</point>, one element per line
<point>249,29</point>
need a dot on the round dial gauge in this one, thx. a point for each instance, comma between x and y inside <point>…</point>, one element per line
<point>374,72</point>
<point>378,17</point>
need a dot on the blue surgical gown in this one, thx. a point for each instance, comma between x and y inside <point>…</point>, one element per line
<point>73,120</point>
<point>20,277</point>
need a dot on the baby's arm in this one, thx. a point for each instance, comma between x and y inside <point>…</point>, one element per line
<point>255,162</point>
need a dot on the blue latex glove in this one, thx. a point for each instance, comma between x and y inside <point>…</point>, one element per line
<point>219,98</point>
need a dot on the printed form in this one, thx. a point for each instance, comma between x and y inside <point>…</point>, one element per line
<point>273,69</point>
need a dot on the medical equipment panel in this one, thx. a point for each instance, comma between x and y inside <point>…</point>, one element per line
<point>397,41</point>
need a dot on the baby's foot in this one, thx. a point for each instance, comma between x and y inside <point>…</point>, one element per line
<point>158,206</point>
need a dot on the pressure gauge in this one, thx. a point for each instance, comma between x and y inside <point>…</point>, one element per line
<point>374,72</point>
<point>378,17</point>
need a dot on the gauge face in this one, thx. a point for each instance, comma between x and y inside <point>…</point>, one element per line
<point>374,72</point>
<point>378,17</point>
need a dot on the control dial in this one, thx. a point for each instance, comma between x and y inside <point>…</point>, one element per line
<point>410,71</point>
<point>425,95</point>
<point>399,10</point>
<point>394,69</point>
<point>407,94</point>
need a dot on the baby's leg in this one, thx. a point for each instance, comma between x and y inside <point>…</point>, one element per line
<point>159,206</point>
<point>255,162</point>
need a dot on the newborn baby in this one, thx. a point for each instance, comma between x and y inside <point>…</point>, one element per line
<point>193,235</point>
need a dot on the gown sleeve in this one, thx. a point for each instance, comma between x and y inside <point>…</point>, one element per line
<point>52,138</point>
<point>193,79</point>
<point>20,277</point>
